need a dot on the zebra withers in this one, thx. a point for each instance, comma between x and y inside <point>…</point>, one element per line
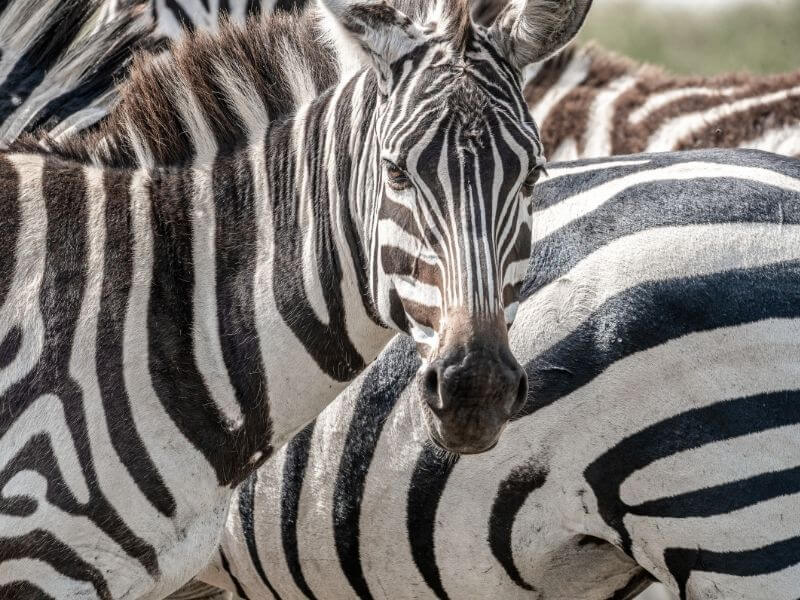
<point>165,327</point>
<point>659,333</point>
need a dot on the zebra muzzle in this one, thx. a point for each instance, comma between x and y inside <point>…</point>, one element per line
<point>472,391</point>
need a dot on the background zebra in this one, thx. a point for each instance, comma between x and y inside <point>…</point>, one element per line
<point>60,60</point>
<point>141,315</point>
<point>176,16</point>
<point>592,103</point>
<point>659,331</point>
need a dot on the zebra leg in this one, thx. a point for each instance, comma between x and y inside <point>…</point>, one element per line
<point>197,590</point>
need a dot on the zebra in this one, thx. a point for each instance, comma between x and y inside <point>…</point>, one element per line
<point>659,330</point>
<point>147,326</point>
<point>592,103</point>
<point>58,69</point>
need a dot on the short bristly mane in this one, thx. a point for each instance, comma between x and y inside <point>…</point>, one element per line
<point>226,86</point>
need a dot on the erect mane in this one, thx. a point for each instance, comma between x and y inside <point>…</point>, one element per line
<point>209,90</point>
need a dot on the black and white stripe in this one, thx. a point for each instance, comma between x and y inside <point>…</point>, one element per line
<point>592,103</point>
<point>60,60</point>
<point>175,17</point>
<point>659,332</point>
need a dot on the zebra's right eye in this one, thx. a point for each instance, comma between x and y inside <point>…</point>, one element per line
<point>532,178</point>
<point>396,177</point>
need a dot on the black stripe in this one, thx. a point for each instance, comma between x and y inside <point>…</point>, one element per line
<point>22,590</point>
<point>772,558</point>
<point>688,430</point>
<point>294,471</point>
<point>9,233</point>
<point>424,493</point>
<point>253,7</point>
<point>43,546</point>
<point>117,279</point>
<point>635,586</point>
<point>9,225</point>
<point>329,345</point>
<point>344,168</point>
<point>724,498</point>
<point>380,391</point>
<point>180,15</point>
<point>397,311</point>
<point>652,313</point>
<point>236,247</point>
<point>511,495</point>
<point>247,517</point>
<point>226,566</point>
<point>10,345</point>
<point>289,4</point>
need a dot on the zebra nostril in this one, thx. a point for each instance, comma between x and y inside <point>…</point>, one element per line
<point>430,385</point>
<point>522,394</point>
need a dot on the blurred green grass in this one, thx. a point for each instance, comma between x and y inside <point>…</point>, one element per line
<point>760,37</point>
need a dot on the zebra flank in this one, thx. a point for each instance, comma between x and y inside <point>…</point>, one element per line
<point>658,329</point>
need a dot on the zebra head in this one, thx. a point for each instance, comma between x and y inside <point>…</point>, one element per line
<point>455,158</point>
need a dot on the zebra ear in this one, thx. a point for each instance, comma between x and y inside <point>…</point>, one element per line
<point>379,31</point>
<point>528,31</point>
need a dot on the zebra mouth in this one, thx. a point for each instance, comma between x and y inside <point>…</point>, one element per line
<point>435,438</point>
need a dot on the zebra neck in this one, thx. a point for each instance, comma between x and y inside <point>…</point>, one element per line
<point>309,181</point>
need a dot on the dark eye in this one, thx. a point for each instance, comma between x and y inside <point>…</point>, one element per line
<point>532,178</point>
<point>396,177</point>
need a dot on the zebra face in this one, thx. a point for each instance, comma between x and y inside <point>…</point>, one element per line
<point>459,158</point>
<point>456,159</point>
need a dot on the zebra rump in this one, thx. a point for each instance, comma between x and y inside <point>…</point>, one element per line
<point>659,332</point>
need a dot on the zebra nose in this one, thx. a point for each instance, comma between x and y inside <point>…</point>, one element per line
<point>473,392</point>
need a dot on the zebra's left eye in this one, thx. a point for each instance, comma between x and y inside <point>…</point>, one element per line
<point>532,178</point>
<point>396,177</point>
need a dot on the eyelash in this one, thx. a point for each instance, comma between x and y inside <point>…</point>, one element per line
<point>396,177</point>
<point>532,179</point>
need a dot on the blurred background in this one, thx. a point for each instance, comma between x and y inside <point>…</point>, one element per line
<point>701,36</point>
